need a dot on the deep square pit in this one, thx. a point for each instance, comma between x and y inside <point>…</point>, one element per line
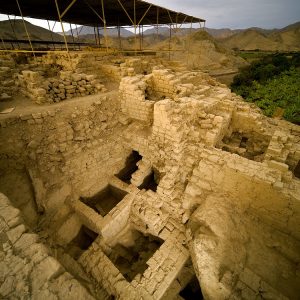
<point>131,259</point>
<point>81,242</point>
<point>104,201</point>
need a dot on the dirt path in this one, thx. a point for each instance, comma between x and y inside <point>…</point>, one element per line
<point>24,105</point>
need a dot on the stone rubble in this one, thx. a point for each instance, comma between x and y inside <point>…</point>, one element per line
<point>223,197</point>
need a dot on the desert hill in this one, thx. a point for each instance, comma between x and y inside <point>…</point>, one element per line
<point>251,39</point>
<point>87,30</point>
<point>288,36</point>
<point>201,51</point>
<point>36,33</point>
<point>285,39</point>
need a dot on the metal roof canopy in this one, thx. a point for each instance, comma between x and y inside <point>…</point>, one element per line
<point>89,12</point>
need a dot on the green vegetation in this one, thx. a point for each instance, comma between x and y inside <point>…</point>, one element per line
<point>272,83</point>
<point>252,55</point>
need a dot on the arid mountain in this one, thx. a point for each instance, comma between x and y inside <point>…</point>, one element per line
<point>250,39</point>
<point>87,30</point>
<point>286,39</point>
<point>201,51</point>
<point>222,33</point>
<point>288,36</point>
<point>36,33</point>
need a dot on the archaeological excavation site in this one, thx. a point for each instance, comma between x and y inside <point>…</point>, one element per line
<point>127,175</point>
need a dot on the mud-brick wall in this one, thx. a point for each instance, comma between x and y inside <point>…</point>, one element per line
<point>132,97</point>
<point>69,151</point>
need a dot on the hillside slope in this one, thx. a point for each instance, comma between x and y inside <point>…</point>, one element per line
<point>286,39</point>
<point>36,33</point>
<point>87,30</point>
<point>202,51</point>
<point>288,36</point>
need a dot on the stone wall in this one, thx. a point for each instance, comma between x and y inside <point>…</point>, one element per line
<point>28,270</point>
<point>64,155</point>
<point>226,192</point>
<point>67,85</point>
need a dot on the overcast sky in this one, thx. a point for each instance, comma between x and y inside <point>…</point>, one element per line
<point>228,13</point>
<point>239,13</point>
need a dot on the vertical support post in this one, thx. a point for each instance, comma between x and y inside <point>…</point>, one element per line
<point>25,28</point>
<point>119,37</point>
<point>72,36</point>
<point>3,43</point>
<point>134,21</point>
<point>98,35</point>
<point>95,36</point>
<point>142,37</point>
<point>157,17</point>
<point>104,22</point>
<point>13,30</point>
<point>77,35</point>
<point>51,34</point>
<point>189,43</point>
<point>63,30</point>
<point>140,41</point>
<point>170,36</point>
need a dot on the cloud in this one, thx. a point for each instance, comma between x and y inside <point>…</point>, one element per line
<point>239,13</point>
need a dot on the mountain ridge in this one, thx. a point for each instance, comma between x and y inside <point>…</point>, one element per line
<point>254,38</point>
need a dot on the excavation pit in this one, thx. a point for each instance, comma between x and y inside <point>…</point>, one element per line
<point>297,170</point>
<point>131,259</point>
<point>186,285</point>
<point>192,290</point>
<point>150,182</point>
<point>81,242</point>
<point>249,146</point>
<point>104,201</point>
<point>130,167</point>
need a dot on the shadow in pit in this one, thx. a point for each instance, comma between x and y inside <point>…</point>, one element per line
<point>81,242</point>
<point>132,260</point>
<point>130,167</point>
<point>104,201</point>
<point>150,182</point>
<point>192,291</point>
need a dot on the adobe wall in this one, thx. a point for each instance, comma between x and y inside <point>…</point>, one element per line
<point>224,193</point>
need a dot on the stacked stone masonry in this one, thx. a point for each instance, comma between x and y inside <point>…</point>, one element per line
<point>225,205</point>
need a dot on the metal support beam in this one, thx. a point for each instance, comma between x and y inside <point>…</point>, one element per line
<point>183,22</point>
<point>142,18</point>
<point>157,18</point>
<point>51,34</point>
<point>126,12</point>
<point>170,20</point>
<point>53,26</point>
<point>170,37</point>
<point>3,43</point>
<point>72,33</point>
<point>142,37</point>
<point>13,30</point>
<point>19,7</point>
<point>98,36</point>
<point>63,30</point>
<point>96,13</point>
<point>104,22</point>
<point>119,37</point>
<point>134,18</point>
<point>68,7</point>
